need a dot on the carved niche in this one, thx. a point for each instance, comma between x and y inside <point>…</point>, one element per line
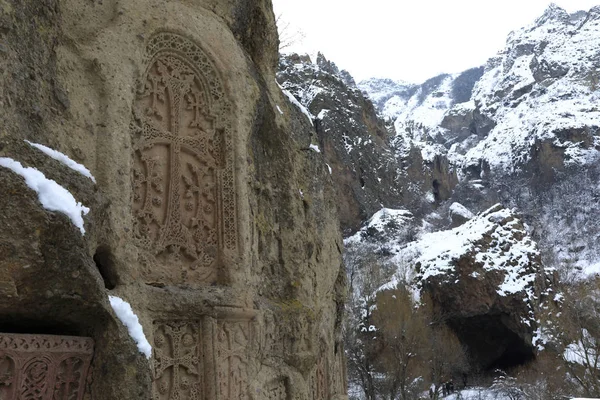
<point>184,192</point>
<point>38,367</point>
<point>201,360</point>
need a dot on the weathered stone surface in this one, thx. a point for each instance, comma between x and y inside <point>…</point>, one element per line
<point>208,214</point>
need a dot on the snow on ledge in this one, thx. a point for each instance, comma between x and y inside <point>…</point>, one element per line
<point>126,315</point>
<point>295,102</point>
<point>314,148</point>
<point>64,159</point>
<point>52,196</point>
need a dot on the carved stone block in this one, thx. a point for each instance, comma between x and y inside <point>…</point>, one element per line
<point>232,363</point>
<point>183,178</point>
<point>39,367</point>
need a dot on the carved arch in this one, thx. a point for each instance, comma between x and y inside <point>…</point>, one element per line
<point>184,187</point>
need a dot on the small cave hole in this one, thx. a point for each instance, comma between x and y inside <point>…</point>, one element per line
<point>106,266</point>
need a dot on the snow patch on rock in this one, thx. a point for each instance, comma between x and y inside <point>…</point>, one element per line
<point>64,159</point>
<point>51,195</point>
<point>126,315</point>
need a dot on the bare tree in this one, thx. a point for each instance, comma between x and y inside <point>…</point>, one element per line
<point>288,35</point>
<point>580,336</point>
<point>403,331</point>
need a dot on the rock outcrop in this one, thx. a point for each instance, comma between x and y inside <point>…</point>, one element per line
<point>203,207</point>
<point>485,278</point>
<point>487,282</point>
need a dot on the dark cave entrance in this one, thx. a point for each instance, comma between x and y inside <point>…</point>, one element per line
<point>490,343</point>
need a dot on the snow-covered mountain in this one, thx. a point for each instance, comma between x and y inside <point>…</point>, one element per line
<point>523,130</point>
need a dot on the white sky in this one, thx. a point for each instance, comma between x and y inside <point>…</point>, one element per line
<point>410,40</point>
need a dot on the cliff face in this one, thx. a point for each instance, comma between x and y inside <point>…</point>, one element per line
<point>202,207</point>
<point>369,165</point>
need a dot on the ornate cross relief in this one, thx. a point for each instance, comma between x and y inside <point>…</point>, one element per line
<point>36,367</point>
<point>184,191</point>
<point>202,359</point>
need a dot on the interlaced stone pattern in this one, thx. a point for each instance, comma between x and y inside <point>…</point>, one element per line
<point>43,367</point>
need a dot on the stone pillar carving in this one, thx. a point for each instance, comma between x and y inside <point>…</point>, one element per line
<point>179,363</point>
<point>40,367</point>
<point>319,380</point>
<point>184,192</point>
<point>340,382</point>
<point>202,359</point>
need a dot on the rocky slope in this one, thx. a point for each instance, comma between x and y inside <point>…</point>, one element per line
<point>370,167</point>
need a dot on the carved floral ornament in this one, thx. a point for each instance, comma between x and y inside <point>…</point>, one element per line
<point>184,192</point>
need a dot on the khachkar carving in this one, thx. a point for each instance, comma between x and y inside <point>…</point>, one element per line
<point>232,364</point>
<point>36,367</point>
<point>178,363</point>
<point>201,360</point>
<point>184,191</point>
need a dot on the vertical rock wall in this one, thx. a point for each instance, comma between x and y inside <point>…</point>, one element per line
<point>209,213</point>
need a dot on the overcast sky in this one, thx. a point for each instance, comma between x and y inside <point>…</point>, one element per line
<point>411,40</point>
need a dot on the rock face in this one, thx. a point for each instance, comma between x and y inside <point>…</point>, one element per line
<point>204,209</point>
<point>522,130</point>
<point>487,282</point>
<point>370,167</point>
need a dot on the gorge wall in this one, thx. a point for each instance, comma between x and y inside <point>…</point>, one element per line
<point>204,208</point>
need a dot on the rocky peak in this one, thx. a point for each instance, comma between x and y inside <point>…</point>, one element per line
<point>553,13</point>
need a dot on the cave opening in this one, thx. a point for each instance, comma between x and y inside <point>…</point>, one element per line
<point>491,344</point>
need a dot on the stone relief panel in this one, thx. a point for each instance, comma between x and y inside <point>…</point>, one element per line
<point>183,177</point>
<point>202,359</point>
<point>233,338</point>
<point>178,363</point>
<point>40,367</point>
